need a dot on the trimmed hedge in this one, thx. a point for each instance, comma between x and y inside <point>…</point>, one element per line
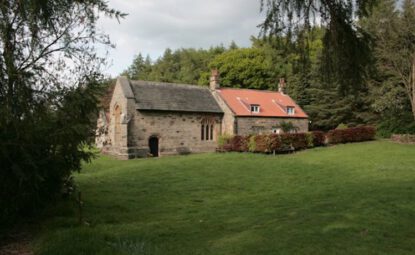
<point>261,143</point>
<point>236,143</point>
<point>319,138</point>
<point>297,141</point>
<point>291,142</point>
<point>349,135</point>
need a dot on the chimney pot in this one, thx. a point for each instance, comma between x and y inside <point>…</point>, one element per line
<point>281,86</point>
<point>214,79</point>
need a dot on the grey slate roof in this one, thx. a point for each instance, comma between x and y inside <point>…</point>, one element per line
<point>173,97</point>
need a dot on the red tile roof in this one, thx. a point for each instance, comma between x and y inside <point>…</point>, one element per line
<point>272,104</point>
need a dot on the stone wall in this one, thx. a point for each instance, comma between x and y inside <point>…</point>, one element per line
<point>122,102</point>
<point>228,121</point>
<point>178,133</point>
<point>264,125</point>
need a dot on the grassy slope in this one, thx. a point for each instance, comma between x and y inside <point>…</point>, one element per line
<point>347,199</point>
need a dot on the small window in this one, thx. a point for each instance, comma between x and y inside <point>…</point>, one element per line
<point>254,108</point>
<point>211,132</point>
<point>203,132</point>
<point>276,130</point>
<point>290,110</point>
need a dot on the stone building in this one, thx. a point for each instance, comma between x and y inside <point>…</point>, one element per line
<point>153,118</point>
<point>249,111</point>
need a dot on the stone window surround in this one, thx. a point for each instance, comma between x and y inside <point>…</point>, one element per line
<point>207,128</point>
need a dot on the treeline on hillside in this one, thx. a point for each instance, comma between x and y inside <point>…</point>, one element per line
<point>385,99</point>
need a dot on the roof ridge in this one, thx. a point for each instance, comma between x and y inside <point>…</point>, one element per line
<point>259,90</point>
<point>158,83</point>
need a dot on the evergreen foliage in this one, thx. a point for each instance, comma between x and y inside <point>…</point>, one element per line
<point>346,50</point>
<point>49,82</point>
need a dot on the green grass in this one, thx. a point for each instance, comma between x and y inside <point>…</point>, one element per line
<point>346,199</point>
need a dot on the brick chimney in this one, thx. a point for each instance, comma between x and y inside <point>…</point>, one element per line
<point>281,86</point>
<point>214,80</point>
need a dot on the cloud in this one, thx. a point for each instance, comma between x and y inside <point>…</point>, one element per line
<point>154,25</point>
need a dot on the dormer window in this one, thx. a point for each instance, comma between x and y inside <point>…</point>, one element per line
<point>254,108</point>
<point>290,110</point>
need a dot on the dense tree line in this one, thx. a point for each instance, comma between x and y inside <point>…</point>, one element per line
<point>384,97</point>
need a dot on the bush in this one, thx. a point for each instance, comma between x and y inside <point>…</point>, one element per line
<point>274,142</point>
<point>223,140</point>
<point>261,143</point>
<point>236,143</point>
<point>403,138</point>
<point>296,141</point>
<point>318,138</point>
<point>251,143</point>
<point>396,124</point>
<point>309,139</point>
<point>348,135</point>
<point>342,126</point>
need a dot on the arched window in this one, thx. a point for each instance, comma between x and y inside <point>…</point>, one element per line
<point>207,129</point>
<point>207,132</point>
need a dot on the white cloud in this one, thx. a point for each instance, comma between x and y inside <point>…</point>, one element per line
<point>154,25</point>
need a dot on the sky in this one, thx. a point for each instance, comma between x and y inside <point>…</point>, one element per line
<point>154,25</point>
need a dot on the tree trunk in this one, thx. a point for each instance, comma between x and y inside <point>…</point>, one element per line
<point>413,86</point>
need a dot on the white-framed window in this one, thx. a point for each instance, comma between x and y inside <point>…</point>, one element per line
<point>290,110</point>
<point>254,108</point>
<point>276,130</point>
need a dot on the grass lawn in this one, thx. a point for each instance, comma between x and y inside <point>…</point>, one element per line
<point>345,199</point>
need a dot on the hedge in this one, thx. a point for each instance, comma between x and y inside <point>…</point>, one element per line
<point>297,141</point>
<point>236,143</point>
<point>348,135</point>
<point>261,143</point>
<point>319,138</point>
<point>290,142</point>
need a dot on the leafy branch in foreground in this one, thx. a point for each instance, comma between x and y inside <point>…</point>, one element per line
<point>346,46</point>
<point>49,80</point>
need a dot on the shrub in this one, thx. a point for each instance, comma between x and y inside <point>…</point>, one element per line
<point>223,140</point>
<point>348,135</point>
<point>318,138</point>
<point>261,143</point>
<point>274,142</point>
<point>287,127</point>
<point>396,124</point>
<point>309,139</point>
<point>251,143</point>
<point>342,126</point>
<point>293,141</point>
<point>237,143</point>
<point>403,138</point>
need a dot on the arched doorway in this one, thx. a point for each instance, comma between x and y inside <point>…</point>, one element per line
<point>153,144</point>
